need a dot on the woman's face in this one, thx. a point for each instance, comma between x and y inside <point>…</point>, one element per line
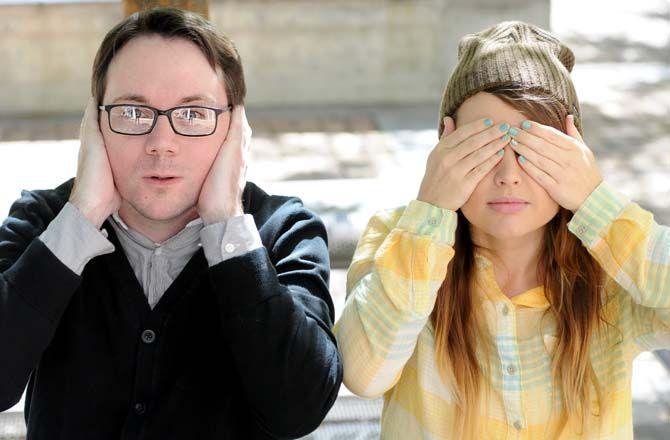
<point>506,179</point>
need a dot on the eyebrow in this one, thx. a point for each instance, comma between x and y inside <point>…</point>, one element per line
<point>185,100</point>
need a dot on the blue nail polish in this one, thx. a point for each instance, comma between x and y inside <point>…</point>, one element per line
<point>525,125</point>
<point>522,159</point>
<point>488,122</point>
<point>514,142</point>
<point>505,138</point>
<point>513,131</point>
<point>501,152</point>
<point>504,127</point>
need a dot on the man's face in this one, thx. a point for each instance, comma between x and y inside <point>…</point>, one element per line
<point>163,72</point>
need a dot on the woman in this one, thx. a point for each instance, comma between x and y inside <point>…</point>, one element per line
<point>511,297</point>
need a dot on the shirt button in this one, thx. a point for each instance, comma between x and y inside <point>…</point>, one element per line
<point>517,425</point>
<point>229,247</point>
<point>433,221</point>
<point>139,408</point>
<point>148,336</point>
<point>505,310</point>
<point>511,369</point>
<point>159,251</point>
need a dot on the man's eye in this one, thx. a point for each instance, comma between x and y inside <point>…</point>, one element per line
<point>133,113</point>
<point>190,114</point>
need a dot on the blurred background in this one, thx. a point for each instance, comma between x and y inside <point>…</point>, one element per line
<point>343,100</point>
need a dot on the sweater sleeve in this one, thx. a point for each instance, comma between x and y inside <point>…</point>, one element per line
<point>399,264</point>
<point>277,315</point>
<point>35,288</point>
<point>634,251</point>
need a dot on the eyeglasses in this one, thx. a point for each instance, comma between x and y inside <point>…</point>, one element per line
<point>136,120</point>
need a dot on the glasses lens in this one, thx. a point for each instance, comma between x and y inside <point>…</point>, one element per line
<point>194,121</point>
<point>131,119</point>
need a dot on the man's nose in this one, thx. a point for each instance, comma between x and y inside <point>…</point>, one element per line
<point>162,138</point>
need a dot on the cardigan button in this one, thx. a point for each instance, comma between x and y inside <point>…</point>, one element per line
<point>148,336</point>
<point>139,408</point>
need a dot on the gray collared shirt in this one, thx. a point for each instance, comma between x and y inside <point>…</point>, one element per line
<point>75,241</point>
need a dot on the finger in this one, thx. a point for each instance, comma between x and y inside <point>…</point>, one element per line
<point>481,170</point>
<point>481,155</point>
<point>246,130</point>
<point>572,128</point>
<point>236,120</point>
<point>90,128</point>
<point>465,131</point>
<point>548,133</point>
<point>540,176</point>
<point>86,117</point>
<point>542,147</point>
<point>449,126</point>
<point>478,140</point>
<point>541,161</point>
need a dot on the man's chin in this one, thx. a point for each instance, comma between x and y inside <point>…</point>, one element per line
<point>163,213</point>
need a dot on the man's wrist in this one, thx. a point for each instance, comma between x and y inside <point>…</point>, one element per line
<point>221,215</point>
<point>94,214</point>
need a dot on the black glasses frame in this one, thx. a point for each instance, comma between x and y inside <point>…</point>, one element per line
<point>168,115</point>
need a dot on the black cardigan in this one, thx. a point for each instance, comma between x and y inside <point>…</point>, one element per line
<point>241,350</point>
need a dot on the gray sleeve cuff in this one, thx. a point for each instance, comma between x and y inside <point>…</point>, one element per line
<point>74,239</point>
<point>224,240</point>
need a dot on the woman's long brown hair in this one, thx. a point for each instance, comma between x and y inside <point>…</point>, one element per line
<point>573,283</point>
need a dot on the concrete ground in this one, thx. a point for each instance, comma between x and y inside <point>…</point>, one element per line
<point>346,163</point>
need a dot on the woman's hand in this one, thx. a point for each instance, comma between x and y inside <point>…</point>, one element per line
<point>561,163</point>
<point>460,160</point>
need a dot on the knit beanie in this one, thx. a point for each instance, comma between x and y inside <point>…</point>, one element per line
<point>511,53</point>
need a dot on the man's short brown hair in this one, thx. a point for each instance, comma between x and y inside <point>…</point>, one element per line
<point>172,23</point>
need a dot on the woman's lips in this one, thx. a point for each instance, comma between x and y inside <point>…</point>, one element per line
<point>507,208</point>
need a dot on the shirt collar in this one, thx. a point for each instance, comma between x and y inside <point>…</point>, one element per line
<point>186,236</point>
<point>534,297</point>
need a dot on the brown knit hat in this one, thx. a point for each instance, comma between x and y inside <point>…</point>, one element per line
<point>511,52</point>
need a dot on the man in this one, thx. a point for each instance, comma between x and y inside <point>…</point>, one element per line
<point>110,311</point>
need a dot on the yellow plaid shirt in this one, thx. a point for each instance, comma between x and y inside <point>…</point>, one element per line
<point>387,342</point>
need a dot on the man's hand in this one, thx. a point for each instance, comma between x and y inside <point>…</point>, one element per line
<point>561,163</point>
<point>94,192</point>
<point>221,194</point>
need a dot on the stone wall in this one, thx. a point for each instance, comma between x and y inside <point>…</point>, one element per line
<point>295,52</point>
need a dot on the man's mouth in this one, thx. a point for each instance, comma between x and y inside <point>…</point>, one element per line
<point>162,179</point>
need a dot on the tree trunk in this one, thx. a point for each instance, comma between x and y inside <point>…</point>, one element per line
<point>199,6</point>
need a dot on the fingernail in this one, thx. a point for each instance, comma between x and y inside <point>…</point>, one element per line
<point>513,131</point>
<point>514,142</point>
<point>501,152</point>
<point>488,122</point>
<point>522,159</point>
<point>525,125</point>
<point>504,127</point>
<point>505,138</point>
